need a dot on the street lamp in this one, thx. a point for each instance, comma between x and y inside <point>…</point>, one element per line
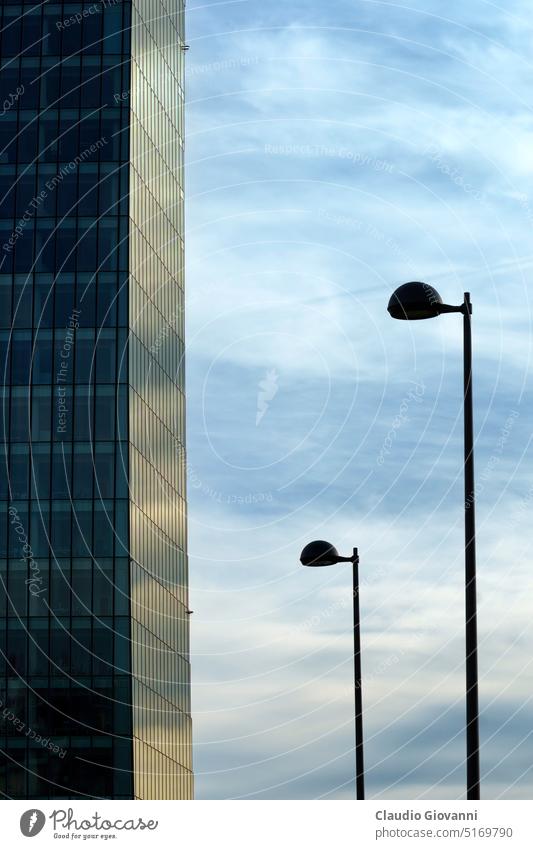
<point>320,553</point>
<point>411,302</point>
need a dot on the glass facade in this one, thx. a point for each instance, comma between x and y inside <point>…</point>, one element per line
<point>158,521</point>
<point>94,655</point>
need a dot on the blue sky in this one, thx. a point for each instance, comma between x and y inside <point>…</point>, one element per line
<point>334,151</point>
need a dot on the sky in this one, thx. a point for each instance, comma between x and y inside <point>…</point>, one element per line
<point>335,151</point>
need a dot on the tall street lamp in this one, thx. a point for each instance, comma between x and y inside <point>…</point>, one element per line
<point>411,302</point>
<point>320,553</point>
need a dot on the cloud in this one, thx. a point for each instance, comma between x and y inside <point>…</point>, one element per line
<point>334,152</point>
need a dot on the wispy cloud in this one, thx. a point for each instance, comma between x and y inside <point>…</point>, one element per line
<point>333,152</point>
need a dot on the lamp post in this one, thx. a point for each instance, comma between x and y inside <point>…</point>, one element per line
<point>411,302</point>
<point>320,553</point>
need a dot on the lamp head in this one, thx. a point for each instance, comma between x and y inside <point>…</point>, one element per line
<point>414,301</point>
<point>320,553</point>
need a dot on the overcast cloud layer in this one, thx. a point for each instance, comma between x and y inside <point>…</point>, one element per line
<point>334,151</point>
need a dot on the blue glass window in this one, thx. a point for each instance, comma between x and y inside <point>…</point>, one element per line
<point>8,137</point>
<point>103,528</point>
<point>105,356</point>
<point>88,189</point>
<point>70,81</point>
<point>40,470</point>
<point>7,191</point>
<point>84,412</point>
<point>22,301</point>
<point>25,186</point>
<point>105,412</point>
<point>42,357</point>
<point>41,414</point>
<point>43,300</point>
<point>83,470</point>
<point>60,586</point>
<point>39,528</point>
<point>62,472</point>
<point>19,471</point>
<point>21,350</point>
<point>82,534</point>
<point>103,586</point>
<point>60,530</point>
<point>81,586</point>
<point>104,465</point>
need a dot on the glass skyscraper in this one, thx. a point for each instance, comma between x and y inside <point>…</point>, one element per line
<point>94,632</point>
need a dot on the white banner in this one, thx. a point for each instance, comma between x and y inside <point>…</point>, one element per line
<point>268,825</point>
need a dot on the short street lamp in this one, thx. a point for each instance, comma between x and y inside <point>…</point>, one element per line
<point>320,553</point>
<point>411,302</point>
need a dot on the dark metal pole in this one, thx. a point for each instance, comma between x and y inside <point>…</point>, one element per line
<point>472,704</point>
<point>359,762</point>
